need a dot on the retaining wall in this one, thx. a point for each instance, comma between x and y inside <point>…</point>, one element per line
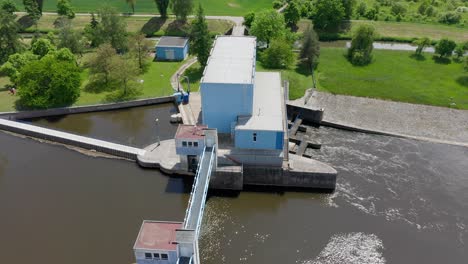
<point>71,139</point>
<point>85,109</point>
<point>314,116</point>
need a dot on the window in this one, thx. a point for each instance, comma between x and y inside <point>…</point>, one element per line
<point>254,137</point>
<point>190,144</point>
<point>148,256</point>
<point>184,143</point>
<point>156,255</point>
<point>195,144</point>
<point>164,256</point>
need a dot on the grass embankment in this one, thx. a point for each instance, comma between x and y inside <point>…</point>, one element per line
<point>398,31</point>
<point>151,26</point>
<point>395,75</point>
<point>212,7</point>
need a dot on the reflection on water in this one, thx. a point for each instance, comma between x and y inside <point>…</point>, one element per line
<point>133,126</point>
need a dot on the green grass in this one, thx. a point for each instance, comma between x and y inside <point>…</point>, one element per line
<point>212,7</point>
<point>7,101</point>
<point>395,75</point>
<point>194,73</point>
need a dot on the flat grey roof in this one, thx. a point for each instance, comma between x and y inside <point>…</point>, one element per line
<point>232,60</point>
<point>267,112</point>
<point>172,42</point>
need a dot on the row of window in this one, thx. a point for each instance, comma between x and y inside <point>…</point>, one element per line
<point>156,256</point>
<point>190,144</point>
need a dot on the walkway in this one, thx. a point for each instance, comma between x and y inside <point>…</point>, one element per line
<point>425,122</point>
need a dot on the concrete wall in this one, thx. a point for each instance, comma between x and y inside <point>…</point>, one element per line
<point>270,176</point>
<point>257,157</point>
<point>314,116</point>
<point>180,150</point>
<point>264,139</point>
<point>84,109</point>
<point>140,257</point>
<point>223,103</point>
<point>180,53</point>
<point>227,178</point>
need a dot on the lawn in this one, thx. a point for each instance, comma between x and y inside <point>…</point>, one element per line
<point>152,26</point>
<point>7,101</point>
<point>212,7</point>
<point>395,75</point>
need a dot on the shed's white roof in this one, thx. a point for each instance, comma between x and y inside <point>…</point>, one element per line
<point>232,60</point>
<point>268,106</point>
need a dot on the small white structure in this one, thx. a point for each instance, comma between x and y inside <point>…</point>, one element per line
<point>156,244</point>
<point>191,141</point>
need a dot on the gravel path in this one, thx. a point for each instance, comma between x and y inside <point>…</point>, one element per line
<point>430,122</point>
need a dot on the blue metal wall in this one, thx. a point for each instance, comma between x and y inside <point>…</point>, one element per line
<point>179,52</point>
<point>265,139</point>
<point>222,103</point>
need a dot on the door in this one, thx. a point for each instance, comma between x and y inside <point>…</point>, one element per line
<point>170,55</point>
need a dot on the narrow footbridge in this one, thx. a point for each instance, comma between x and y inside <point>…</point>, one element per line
<point>196,206</point>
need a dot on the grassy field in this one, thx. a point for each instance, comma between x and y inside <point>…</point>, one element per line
<point>212,7</point>
<point>395,75</point>
<point>156,82</point>
<point>154,26</point>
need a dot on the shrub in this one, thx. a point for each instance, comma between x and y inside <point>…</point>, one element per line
<point>279,55</point>
<point>445,47</point>
<point>398,9</point>
<point>450,18</point>
<point>277,4</point>
<point>360,52</point>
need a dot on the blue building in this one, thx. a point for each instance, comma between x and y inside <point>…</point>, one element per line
<point>246,104</point>
<point>172,48</point>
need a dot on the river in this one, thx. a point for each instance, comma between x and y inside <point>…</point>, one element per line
<point>397,201</point>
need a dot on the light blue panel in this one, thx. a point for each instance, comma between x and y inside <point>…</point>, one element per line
<point>223,103</point>
<point>279,139</point>
<point>265,139</point>
<point>179,53</point>
<point>186,50</point>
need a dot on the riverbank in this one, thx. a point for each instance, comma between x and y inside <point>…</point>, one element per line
<point>444,125</point>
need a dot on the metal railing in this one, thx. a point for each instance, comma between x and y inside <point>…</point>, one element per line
<point>188,211</point>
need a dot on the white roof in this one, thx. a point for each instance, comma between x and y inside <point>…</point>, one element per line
<point>232,60</point>
<point>267,113</point>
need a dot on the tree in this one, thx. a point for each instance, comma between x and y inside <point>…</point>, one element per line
<point>248,19</point>
<point>460,50</point>
<point>132,4</point>
<point>450,18</point>
<point>348,6</point>
<point>49,82</point>
<point>100,64</point>
<point>422,43</point>
<point>10,39</point>
<point>310,50</point>
<point>445,47</point>
<point>360,52</point>
<point>398,9</point>
<point>42,46</point>
<point>139,47</point>
<point>64,8</point>
<point>267,25</point>
<point>361,9</point>
<point>181,8</point>
<point>200,37</point>
<point>32,8</point>
<point>111,28</point>
<point>124,73</point>
<point>292,13</point>
<point>278,55</point>
<point>328,14</point>
<point>12,67</point>
<point>162,7</point>
<point>465,64</point>
<point>8,6</point>
<point>70,39</point>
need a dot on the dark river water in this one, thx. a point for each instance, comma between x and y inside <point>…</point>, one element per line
<point>397,201</point>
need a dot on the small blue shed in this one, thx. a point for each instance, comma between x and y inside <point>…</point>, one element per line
<point>172,48</point>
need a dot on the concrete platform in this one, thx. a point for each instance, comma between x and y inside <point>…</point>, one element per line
<point>163,156</point>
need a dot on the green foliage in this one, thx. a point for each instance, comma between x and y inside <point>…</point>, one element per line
<point>361,9</point>
<point>399,9</point>
<point>100,64</point>
<point>131,3</point>
<point>64,54</point>
<point>49,82</point>
<point>465,64</point>
<point>450,18</point>
<point>200,37</point>
<point>248,19</point>
<point>111,28</point>
<point>445,47</point>
<point>360,52</point>
<point>459,51</point>
<point>277,4</point>
<point>328,14</point>
<point>123,74</point>
<point>138,48</point>
<point>70,39</point>
<point>421,43</point>
<point>10,42</point>
<point>278,55</point>
<point>310,50</point>
<point>292,13</point>
<point>162,7</point>
<point>32,8</point>
<point>8,6</point>
<point>15,63</point>
<point>42,46</point>
<point>181,8</point>
<point>64,8</point>
<point>267,25</point>
<point>348,6</point>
